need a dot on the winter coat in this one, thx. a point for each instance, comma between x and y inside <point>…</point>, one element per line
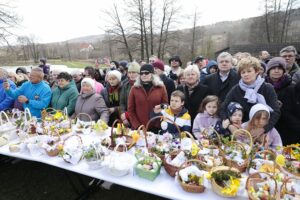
<point>78,85</point>
<point>296,77</point>
<point>295,68</point>
<point>273,137</point>
<point>124,94</point>
<point>112,104</point>
<point>289,126</point>
<point>236,94</point>
<point>182,120</point>
<point>192,102</point>
<point>38,94</point>
<point>281,89</point>
<point>141,103</point>
<point>169,84</point>
<point>6,102</point>
<point>93,105</point>
<point>219,88</point>
<point>65,97</point>
<point>203,121</point>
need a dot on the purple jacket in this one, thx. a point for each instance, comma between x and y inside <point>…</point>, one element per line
<point>203,121</point>
<point>273,137</point>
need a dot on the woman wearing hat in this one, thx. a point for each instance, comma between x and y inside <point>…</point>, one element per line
<point>111,94</point>
<point>90,102</point>
<point>133,74</point>
<point>147,92</point>
<point>251,90</point>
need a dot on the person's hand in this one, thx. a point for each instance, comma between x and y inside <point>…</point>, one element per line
<point>111,110</point>
<point>6,85</point>
<point>257,133</point>
<point>123,116</point>
<point>157,109</point>
<point>225,123</point>
<point>22,99</point>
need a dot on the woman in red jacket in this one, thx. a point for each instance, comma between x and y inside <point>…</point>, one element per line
<point>147,92</point>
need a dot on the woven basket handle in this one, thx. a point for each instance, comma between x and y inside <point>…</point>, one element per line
<point>78,138</point>
<point>284,190</point>
<point>243,132</point>
<point>2,113</point>
<point>162,118</point>
<point>120,144</point>
<point>205,132</point>
<point>254,176</point>
<point>190,136</point>
<point>186,163</point>
<point>112,130</point>
<point>27,113</point>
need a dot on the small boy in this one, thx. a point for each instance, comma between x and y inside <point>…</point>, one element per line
<point>175,112</point>
<point>235,115</point>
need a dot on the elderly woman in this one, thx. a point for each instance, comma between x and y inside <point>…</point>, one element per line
<point>90,102</point>
<point>111,94</point>
<point>193,90</point>
<point>147,92</point>
<point>65,95</point>
<point>6,102</point>
<point>252,90</point>
<point>133,74</point>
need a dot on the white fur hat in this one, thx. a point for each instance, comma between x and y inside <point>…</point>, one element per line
<point>88,81</point>
<point>258,107</point>
<point>116,73</point>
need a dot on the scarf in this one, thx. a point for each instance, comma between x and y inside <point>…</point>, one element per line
<point>284,81</point>
<point>192,87</point>
<point>147,86</point>
<point>113,95</point>
<point>251,92</point>
<point>131,82</point>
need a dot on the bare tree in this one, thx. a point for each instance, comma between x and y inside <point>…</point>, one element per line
<point>117,28</point>
<point>151,12</point>
<point>8,21</point>
<point>195,19</point>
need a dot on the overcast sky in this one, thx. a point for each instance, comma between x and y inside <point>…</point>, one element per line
<point>59,20</point>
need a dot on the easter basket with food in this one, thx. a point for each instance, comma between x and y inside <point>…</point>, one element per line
<point>72,151</point>
<point>290,164</point>
<point>94,155</point>
<point>148,166</point>
<point>84,123</point>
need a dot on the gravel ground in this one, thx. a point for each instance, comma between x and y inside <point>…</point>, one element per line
<point>26,180</point>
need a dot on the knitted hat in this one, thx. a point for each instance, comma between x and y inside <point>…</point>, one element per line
<point>263,65</point>
<point>148,68</point>
<point>88,81</point>
<point>258,107</point>
<point>159,64</point>
<point>276,62</point>
<point>115,73</point>
<point>124,64</point>
<point>175,58</point>
<point>134,67</point>
<point>232,107</point>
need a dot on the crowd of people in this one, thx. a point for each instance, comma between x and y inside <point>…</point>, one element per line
<point>261,95</point>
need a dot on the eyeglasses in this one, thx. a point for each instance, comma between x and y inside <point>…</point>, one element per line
<point>144,73</point>
<point>288,56</point>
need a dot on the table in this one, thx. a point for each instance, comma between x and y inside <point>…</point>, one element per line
<point>163,185</point>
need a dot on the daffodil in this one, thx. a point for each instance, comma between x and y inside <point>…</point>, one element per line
<point>195,149</point>
<point>232,188</point>
<point>208,176</point>
<point>135,136</point>
<point>58,115</point>
<point>280,160</point>
<point>119,129</point>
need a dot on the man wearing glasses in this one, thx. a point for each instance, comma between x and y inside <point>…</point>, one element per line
<point>289,54</point>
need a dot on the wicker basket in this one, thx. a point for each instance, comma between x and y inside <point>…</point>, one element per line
<point>212,141</point>
<point>240,134</point>
<point>129,140</point>
<point>79,146</point>
<point>7,129</point>
<point>215,186</point>
<point>233,163</point>
<point>212,149</point>
<point>88,124</point>
<point>256,178</point>
<point>189,187</point>
<point>287,151</point>
<point>285,191</point>
<point>61,126</point>
<point>171,169</point>
<point>265,155</point>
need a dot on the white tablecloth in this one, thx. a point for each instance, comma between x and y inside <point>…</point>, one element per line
<point>163,185</point>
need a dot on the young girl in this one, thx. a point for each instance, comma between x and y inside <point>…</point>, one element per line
<point>259,117</point>
<point>235,116</point>
<point>207,116</point>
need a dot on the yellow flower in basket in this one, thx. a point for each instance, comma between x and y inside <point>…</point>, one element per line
<point>280,160</point>
<point>232,188</point>
<point>135,136</point>
<point>208,176</point>
<point>195,149</point>
<point>58,115</point>
<point>119,129</point>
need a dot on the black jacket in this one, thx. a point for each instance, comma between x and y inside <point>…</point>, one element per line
<point>169,84</point>
<point>289,126</point>
<point>219,88</point>
<point>236,94</point>
<point>193,101</point>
